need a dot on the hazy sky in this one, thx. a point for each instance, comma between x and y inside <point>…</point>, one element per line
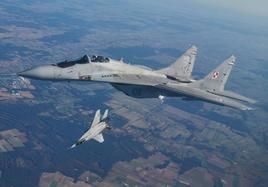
<point>255,7</point>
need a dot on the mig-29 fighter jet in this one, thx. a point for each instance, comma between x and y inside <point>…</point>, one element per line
<point>99,124</point>
<point>142,82</point>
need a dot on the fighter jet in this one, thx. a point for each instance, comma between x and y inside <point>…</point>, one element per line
<point>95,131</point>
<point>143,82</point>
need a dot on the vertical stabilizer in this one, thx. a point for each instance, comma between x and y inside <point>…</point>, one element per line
<point>182,68</point>
<point>216,79</point>
<point>105,115</point>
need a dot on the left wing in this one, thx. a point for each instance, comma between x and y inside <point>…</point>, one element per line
<point>99,138</point>
<point>96,119</point>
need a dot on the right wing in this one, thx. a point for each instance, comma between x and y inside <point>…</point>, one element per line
<point>182,68</point>
<point>96,119</point>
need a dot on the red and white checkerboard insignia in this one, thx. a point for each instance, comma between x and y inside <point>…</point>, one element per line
<point>215,75</point>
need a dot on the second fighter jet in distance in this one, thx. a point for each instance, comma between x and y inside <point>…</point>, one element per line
<point>99,124</point>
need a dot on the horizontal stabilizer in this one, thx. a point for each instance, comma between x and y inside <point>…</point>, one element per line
<point>235,96</point>
<point>99,138</point>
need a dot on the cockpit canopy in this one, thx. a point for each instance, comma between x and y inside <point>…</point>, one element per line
<point>99,59</point>
<point>83,60</point>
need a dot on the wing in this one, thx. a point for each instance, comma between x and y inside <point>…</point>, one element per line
<point>182,68</point>
<point>96,119</point>
<point>99,138</point>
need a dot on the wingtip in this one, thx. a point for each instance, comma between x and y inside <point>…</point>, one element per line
<point>192,50</point>
<point>231,60</point>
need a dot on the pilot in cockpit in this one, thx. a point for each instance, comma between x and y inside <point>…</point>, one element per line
<point>100,59</point>
<point>93,58</point>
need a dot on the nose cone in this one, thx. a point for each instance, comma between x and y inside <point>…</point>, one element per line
<point>42,72</point>
<point>73,146</point>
